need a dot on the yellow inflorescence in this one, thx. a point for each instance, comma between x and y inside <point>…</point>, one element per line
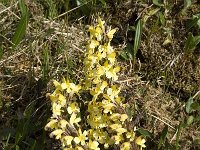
<point>105,123</point>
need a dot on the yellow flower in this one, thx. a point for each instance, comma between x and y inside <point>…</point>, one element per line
<point>125,146</point>
<point>107,66</point>
<point>118,138</point>
<point>57,84</point>
<point>56,109</point>
<point>57,133</point>
<point>52,124</point>
<point>63,124</point>
<point>115,117</point>
<point>79,148</point>
<point>74,120</point>
<point>111,33</point>
<point>74,88</point>
<point>140,141</point>
<point>67,140</point>
<point>111,73</point>
<point>115,126</point>
<point>121,130</point>
<point>93,145</point>
<point>73,108</point>
<point>108,108</point>
<point>111,57</point>
<point>101,23</point>
<point>123,117</point>
<point>112,93</point>
<point>82,137</point>
<point>130,135</point>
<point>61,100</point>
<point>93,44</point>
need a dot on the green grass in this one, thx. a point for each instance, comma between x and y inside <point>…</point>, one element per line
<point>44,40</point>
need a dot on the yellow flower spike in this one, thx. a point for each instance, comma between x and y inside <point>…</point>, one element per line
<point>111,33</point>
<point>57,133</point>
<point>123,117</point>
<point>68,140</point>
<point>93,145</point>
<point>140,141</point>
<point>125,146</point>
<point>52,124</point>
<point>82,137</point>
<point>74,120</point>
<point>73,108</point>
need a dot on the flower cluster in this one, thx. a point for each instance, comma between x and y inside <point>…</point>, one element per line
<point>106,122</point>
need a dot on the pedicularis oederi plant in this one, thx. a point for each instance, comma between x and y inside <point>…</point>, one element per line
<point>91,115</point>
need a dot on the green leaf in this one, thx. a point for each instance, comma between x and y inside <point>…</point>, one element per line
<point>124,55</point>
<point>188,105</point>
<point>196,41</point>
<point>145,133</point>
<point>20,31</point>
<point>188,42</point>
<point>163,137</point>
<point>158,3</point>
<point>137,38</point>
<point>190,120</point>
<point>191,43</point>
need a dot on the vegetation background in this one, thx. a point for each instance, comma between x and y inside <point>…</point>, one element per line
<point>158,49</point>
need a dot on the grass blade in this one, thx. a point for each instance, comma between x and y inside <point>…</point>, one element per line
<point>22,25</point>
<point>137,39</point>
<point>22,7</point>
<point>163,137</point>
<point>178,135</point>
<point>157,3</point>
